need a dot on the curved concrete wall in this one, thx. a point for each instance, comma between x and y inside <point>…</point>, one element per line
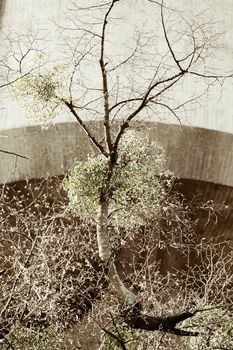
<point>196,152</point>
<point>193,153</point>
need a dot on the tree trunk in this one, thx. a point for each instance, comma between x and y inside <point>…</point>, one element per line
<point>106,255</point>
<point>133,317</point>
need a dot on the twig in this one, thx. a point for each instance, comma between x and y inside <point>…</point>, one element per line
<point>14,154</point>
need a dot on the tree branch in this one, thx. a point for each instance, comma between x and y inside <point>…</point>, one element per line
<point>144,102</point>
<point>87,131</point>
<point>13,153</point>
<point>166,324</point>
<point>119,339</point>
<point>211,76</point>
<point>167,40</point>
<point>105,80</point>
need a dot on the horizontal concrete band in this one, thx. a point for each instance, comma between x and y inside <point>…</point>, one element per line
<point>192,153</point>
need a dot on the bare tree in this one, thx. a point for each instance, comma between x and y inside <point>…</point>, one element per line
<point>123,191</point>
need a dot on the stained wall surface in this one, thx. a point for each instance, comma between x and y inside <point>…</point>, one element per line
<point>192,153</point>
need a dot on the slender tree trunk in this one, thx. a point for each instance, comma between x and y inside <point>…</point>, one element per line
<point>134,317</point>
<point>124,295</point>
<point>102,233</point>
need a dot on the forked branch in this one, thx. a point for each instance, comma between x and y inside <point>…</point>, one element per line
<point>105,79</point>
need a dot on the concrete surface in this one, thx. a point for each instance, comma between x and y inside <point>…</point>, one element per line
<point>192,153</point>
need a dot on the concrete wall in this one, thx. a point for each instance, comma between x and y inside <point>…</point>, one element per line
<point>2,10</point>
<point>192,153</point>
<point>201,152</point>
<point>215,110</point>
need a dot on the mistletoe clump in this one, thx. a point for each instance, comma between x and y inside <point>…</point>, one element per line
<point>137,187</point>
<point>40,94</point>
